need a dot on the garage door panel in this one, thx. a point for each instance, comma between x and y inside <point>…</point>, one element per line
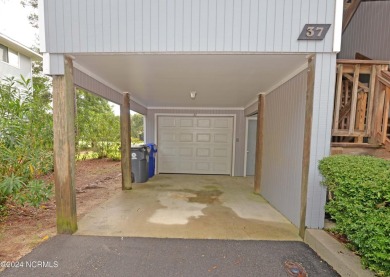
<point>186,137</point>
<point>222,123</point>
<point>167,122</point>
<point>202,167</point>
<point>186,122</point>
<point>195,145</point>
<point>203,122</point>
<point>203,152</point>
<point>186,152</point>
<point>221,138</point>
<point>168,151</point>
<point>221,152</point>
<point>167,137</point>
<point>219,167</point>
<point>203,138</point>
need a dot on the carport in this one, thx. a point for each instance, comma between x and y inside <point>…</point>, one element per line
<point>237,57</point>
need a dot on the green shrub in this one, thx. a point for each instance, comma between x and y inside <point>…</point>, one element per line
<point>361,205</point>
<point>26,140</point>
<point>35,193</point>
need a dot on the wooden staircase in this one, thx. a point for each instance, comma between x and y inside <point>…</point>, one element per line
<point>362,100</point>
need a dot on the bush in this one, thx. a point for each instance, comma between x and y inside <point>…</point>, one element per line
<point>361,205</point>
<point>26,140</point>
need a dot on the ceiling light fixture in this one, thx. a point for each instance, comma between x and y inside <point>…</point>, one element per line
<point>193,95</point>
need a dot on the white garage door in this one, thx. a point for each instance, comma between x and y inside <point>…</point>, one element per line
<point>197,145</point>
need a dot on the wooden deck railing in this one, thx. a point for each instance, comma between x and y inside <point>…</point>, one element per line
<point>381,113</point>
<point>359,110</point>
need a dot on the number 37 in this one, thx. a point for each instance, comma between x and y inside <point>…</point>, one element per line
<point>314,31</point>
<point>311,31</point>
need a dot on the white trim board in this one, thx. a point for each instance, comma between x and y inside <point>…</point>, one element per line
<point>198,108</point>
<point>200,115</point>
<point>338,25</point>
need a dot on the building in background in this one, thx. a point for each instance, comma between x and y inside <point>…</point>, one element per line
<point>15,58</point>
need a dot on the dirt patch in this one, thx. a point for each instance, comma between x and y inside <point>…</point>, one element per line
<point>25,228</point>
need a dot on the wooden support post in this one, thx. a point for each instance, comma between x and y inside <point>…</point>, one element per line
<point>64,149</point>
<point>385,115</point>
<point>125,142</point>
<point>371,99</point>
<point>376,109</point>
<point>306,143</point>
<point>379,112</point>
<point>259,143</point>
<point>360,115</point>
<point>354,99</point>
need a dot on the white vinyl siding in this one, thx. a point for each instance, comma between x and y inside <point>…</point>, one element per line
<point>323,103</point>
<point>183,26</point>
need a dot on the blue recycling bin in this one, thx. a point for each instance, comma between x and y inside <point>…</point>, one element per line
<point>152,158</point>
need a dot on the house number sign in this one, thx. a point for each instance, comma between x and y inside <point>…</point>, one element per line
<point>314,32</point>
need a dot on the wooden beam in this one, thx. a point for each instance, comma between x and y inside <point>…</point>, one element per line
<point>386,115</point>
<point>354,98</point>
<point>307,142</point>
<point>360,56</point>
<point>376,107</point>
<point>360,84</point>
<point>369,62</point>
<point>64,149</point>
<point>371,100</point>
<point>259,143</point>
<point>346,133</point>
<point>361,115</point>
<point>125,142</point>
<point>349,12</point>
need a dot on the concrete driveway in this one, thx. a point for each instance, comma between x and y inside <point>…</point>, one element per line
<point>189,206</point>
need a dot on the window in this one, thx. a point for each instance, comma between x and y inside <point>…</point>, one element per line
<point>3,53</point>
<point>9,56</point>
<point>13,58</point>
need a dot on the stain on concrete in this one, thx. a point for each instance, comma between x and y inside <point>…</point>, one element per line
<point>177,208</point>
<point>219,207</point>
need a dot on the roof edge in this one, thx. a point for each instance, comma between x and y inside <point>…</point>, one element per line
<point>9,42</point>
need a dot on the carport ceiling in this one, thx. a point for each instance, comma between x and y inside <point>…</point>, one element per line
<point>166,80</point>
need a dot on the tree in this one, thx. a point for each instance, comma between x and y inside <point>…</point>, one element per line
<point>33,17</point>
<point>97,125</point>
<point>137,126</point>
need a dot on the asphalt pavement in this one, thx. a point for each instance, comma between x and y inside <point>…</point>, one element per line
<point>115,256</point>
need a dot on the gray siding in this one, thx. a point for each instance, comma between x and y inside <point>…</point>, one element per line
<point>24,68</point>
<point>88,83</point>
<point>368,32</point>
<point>283,142</point>
<point>240,130</point>
<point>325,78</point>
<point>80,26</point>
<point>283,146</point>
